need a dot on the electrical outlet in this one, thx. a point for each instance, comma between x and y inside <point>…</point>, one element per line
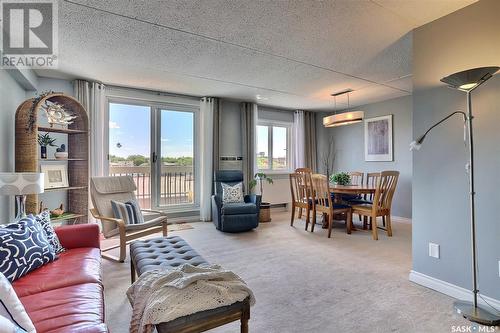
<point>434,250</point>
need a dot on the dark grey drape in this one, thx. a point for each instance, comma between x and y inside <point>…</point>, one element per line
<point>310,148</point>
<point>248,124</point>
<point>217,120</point>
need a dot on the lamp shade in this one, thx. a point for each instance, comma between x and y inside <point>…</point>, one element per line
<point>469,79</point>
<point>21,183</point>
<point>345,118</point>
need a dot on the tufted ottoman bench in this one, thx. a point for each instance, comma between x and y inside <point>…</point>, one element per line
<point>171,252</point>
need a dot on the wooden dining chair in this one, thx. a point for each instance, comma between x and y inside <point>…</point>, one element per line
<point>382,201</point>
<point>371,181</point>
<point>301,190</point>
<point>324,203</point>
<point>357,177</point>
<point>303,171</point>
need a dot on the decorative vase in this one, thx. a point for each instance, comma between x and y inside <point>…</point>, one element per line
<point>43,152</point>
<point>265,212</point>
<point>61,155</point>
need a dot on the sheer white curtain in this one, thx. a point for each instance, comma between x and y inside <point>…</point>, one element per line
<point>91,95</point>
<point>298,139</point>
<point>208,107</point>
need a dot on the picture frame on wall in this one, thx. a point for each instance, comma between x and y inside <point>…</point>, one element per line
<point>56,175</point>
<point>378,139</point>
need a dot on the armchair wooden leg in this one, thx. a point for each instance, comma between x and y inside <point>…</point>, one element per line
<point>374,227</point>
<point>293,215</point>
<point>365,222</point>
<point>164,228</point>
<point>123,245</point>
<point>389,225</point>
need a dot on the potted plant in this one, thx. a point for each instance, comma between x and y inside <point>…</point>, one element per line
<point>265,207</point>
<point>45,140</point>
<point>341,178</point>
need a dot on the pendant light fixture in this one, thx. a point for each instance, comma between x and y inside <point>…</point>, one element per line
<point>344,118</point>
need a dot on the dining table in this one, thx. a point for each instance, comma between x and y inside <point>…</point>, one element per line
<point>348,189</point>
<point>352,189</point>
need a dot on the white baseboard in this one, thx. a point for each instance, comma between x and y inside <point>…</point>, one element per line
<point>401,219</point>
<point>450,289</point>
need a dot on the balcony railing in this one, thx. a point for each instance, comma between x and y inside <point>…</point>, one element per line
<point>176,183</point>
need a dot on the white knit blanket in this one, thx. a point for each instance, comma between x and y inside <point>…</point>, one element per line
<point>163,295</point>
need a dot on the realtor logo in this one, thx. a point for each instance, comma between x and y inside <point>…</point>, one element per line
<point>29,33</point>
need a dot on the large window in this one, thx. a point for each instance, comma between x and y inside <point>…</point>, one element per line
<point>155,144</point>
<point>273,147</point>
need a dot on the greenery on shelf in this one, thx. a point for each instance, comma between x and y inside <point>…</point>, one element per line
<point>341,178</point>
<point>259,178</point>
<point>32,112</point>
<point>45,140</point>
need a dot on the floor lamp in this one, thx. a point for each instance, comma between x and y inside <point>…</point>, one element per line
<point>467,81</point>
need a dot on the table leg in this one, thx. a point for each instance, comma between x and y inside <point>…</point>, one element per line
<point>132,271</point>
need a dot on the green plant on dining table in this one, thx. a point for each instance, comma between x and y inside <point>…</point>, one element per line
<point>340,178</point>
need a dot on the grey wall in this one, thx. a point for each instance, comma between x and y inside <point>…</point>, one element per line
<point>230,140</point>
<point>349,147</point>
<point>468,38</point>
<point>11,95</point>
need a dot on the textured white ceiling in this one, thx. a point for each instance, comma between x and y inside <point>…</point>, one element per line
<point>293,54</point>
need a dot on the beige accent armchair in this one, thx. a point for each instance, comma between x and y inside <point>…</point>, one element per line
<point>105,189</point>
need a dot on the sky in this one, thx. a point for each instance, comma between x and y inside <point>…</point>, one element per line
<point>129,125</point>
<point>279,141</point>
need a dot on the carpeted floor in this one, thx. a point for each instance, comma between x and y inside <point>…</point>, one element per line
<point>305,282</point>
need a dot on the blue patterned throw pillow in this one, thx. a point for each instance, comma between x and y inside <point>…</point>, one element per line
<point>129,211</point>
<point>44,219</point>
<point>23,248</point>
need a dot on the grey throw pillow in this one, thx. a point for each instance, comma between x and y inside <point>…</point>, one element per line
<point>129,211</point>
<point>232,193</point>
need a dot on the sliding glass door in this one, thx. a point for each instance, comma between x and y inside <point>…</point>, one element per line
<point>129,146</point>
<point>155,144</point>
<point>176,158</point>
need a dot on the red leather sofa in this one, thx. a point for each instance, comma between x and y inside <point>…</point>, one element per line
<point>67,295</point>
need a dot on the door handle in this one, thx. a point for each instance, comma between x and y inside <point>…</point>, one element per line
<point>155,157</point>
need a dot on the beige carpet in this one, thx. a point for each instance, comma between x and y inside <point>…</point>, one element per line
<point>305,282</point>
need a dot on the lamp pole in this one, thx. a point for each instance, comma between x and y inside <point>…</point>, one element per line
<point>472,197</point>
<point>467,81</point>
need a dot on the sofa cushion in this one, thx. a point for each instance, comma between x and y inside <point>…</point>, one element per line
<point>12,309</point>
<point>75,266</point>
<point>78,308</point>
<point>23,248</point>
<point>44,219</point>
<point>239,208</point>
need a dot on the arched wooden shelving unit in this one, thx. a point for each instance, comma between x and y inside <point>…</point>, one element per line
<point>27,157</point>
